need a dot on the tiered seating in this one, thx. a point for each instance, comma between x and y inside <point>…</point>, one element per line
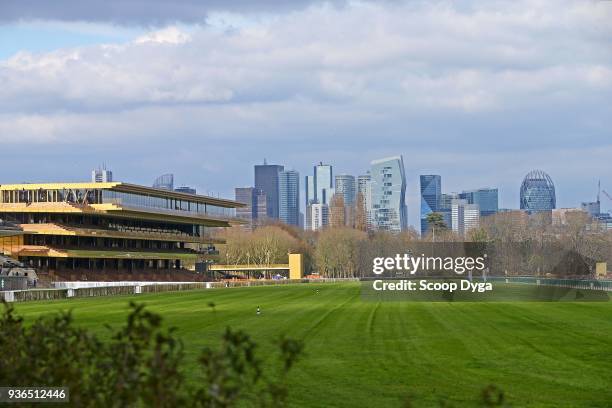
<point>170,275</point>
<point>147,230</point>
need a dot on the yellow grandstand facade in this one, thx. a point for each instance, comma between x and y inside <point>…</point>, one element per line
<point>112,231</point>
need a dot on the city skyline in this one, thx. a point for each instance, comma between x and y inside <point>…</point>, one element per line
<point>414,214</point>
<point>478,92</point>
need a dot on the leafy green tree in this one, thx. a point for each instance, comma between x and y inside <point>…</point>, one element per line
<point>436,220</point>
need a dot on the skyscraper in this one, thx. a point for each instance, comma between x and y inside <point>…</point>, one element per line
<point>538,192</point>
<point>324,189</point>
<point>388,194</point>
<point>486,198</point>
<point>164,182</point>
<point>101,175</point>
<point>345,186</point>
<point>364,192</point>
<point>289,197</point>
<point>255,211</point>
<point>465,216</point>
<point>431,192</point>
<point>488,201</point>
<point>267,180</point>
<point>319,190</point>
<point>445,208</point>
<point>309,185</point>
<point>246,195</point>
<point>317,216</point>
<point>261,212</point>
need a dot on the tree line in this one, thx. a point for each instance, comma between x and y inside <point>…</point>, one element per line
<point>519,244</point>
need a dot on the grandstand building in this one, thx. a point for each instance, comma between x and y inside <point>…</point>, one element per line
<point>112,230</point>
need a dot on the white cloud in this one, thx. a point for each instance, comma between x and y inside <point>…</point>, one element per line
<point>168,35</point>
<point>477,83</point>
<point>427,55</point>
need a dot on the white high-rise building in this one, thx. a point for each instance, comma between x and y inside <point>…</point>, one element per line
<point>389,212</point>
<point>101,175</point>
<point>317,216</point>
<point>464,216</point>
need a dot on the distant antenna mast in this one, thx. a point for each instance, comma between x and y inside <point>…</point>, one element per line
<point>598,190</point>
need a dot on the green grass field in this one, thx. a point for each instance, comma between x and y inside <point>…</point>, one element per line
<point>377,354</point>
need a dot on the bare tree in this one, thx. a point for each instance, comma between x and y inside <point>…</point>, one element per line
<point>337,212</point>
<point>266,245</point>
<point>336,252</point>
<point>361,215</point>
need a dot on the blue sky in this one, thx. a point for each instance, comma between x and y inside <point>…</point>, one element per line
<point>479,92</point>
<point>41,36</point>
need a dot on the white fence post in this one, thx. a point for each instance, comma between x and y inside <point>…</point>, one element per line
<point>9,296</point>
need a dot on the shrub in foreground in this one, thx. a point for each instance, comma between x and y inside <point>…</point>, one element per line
<point>141,365</point>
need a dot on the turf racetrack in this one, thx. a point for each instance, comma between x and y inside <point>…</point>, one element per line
<point>378,354</point>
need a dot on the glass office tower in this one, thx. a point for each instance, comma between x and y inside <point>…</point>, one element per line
<point>445,208</point>
<point>345,186</point>
<point>255,210</point>
<point>324,189</point>
<point>310,190</point>
<point>388,194</point>
<point>538,192</point>
<point>431,193</point>
<point>289,197</point>
<point>266,180</point>
<point>485,198</point>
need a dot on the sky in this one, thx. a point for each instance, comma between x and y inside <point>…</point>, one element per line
<point>480,92</point>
